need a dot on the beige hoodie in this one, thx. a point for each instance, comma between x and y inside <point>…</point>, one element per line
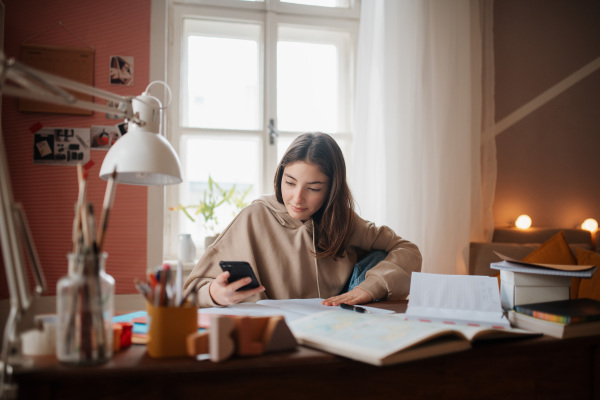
<point>279,248</point>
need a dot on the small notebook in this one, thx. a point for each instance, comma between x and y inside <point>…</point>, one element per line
<point>563,311</point>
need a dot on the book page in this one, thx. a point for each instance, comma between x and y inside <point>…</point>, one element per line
<point>467,299</point>
<point>364,336</point>
<point>312,306</point>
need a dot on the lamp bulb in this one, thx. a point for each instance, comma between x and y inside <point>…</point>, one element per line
<point>523,222</point>
<point>590,224</point>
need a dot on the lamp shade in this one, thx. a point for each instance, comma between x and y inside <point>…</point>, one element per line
<point>143,156</point>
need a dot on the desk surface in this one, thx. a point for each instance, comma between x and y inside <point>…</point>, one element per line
<point>540,367</point>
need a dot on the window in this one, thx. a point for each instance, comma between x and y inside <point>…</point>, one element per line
<point>248,77</point>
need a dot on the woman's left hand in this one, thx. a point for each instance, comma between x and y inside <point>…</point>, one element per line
<point>353,297</point>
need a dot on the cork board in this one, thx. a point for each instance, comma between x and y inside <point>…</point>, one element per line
<point>72,63</point>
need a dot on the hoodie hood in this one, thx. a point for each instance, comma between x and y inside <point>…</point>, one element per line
<point>280,213</point>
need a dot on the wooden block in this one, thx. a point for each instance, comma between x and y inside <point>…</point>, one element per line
<point>117,331</point>
<point>197,343</point>
<point>249,335</point>
<point>277,335</point>
<point>127,328</point>
<point>221,342</point>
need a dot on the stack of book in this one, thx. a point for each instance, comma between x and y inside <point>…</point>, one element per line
<point>537,298</point>
<point>561,319</point>
<point>526,283</point>
<point>518,288</point>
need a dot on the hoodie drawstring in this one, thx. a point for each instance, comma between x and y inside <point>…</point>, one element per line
<point>316,264</point>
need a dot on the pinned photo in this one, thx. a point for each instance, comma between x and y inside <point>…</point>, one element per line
<point>121,70</point>
<point>122,127</point>
<point>61,146</point>
<point>102,137</point>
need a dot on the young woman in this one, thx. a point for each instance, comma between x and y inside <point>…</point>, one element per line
<point>305,241</point>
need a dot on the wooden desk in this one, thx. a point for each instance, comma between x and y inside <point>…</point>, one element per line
<point>532,368</point>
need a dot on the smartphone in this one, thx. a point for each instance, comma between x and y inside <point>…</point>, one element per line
<point>238,270</point>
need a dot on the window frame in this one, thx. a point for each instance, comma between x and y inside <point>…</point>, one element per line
<point>269,14</point>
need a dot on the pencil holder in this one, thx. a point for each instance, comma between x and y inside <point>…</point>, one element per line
<point>168,330</point>
<point>85,308</point>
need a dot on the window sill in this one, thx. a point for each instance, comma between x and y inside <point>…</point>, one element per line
<point>187,267</point>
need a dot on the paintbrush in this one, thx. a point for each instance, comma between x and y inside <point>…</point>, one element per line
<point>77,226</point>
<point>109,197</point>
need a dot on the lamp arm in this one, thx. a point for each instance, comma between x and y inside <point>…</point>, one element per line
<point>11,245</point>
<point>20,318</point>
<point>23,76</point>
<point>34,260</point>
<point>31,83</point>
<point>51,98</point>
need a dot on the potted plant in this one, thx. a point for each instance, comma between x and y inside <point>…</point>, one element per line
<point>238,201</point>
<point>212,198</point>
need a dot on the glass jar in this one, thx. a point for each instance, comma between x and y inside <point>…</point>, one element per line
<point>85,309</point>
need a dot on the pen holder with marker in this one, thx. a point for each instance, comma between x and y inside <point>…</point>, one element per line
<point>168,330</point>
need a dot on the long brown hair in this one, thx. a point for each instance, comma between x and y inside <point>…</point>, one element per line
<point>333,221</point>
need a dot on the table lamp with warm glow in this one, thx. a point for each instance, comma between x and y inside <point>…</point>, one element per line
<point>523,222</point>
<point>590,224</point>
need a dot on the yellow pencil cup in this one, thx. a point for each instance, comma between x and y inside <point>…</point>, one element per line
<point>168,330</point>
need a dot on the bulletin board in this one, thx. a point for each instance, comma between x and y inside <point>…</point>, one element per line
<point>68,62</point>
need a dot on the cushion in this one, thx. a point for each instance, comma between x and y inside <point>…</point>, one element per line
<point>589,287</point>
<point>553,251</point>
<point>556,251</point>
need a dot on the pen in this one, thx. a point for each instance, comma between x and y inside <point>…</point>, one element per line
<point>354,308</point>
<point>178,282</point>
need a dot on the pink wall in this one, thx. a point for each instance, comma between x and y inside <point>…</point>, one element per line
<point>48,192</point>
<point>548,161</point>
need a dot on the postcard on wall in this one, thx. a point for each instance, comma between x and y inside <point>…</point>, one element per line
<point>102,137</point>
<point>121,70</point>
<point>61,146</point>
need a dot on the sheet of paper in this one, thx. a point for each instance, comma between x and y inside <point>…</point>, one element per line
<point>291,309</point>
<point>312,306</point>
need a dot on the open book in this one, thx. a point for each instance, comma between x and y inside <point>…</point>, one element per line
<point>458,299</point>
<point>509,264</point>
<point>388,339</point>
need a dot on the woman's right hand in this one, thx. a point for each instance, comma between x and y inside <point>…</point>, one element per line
<point>224,293</point>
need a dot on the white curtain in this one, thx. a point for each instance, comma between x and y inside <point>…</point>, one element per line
<point>424,97</point>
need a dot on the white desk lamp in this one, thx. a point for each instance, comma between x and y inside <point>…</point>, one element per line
<point>141,157</point>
